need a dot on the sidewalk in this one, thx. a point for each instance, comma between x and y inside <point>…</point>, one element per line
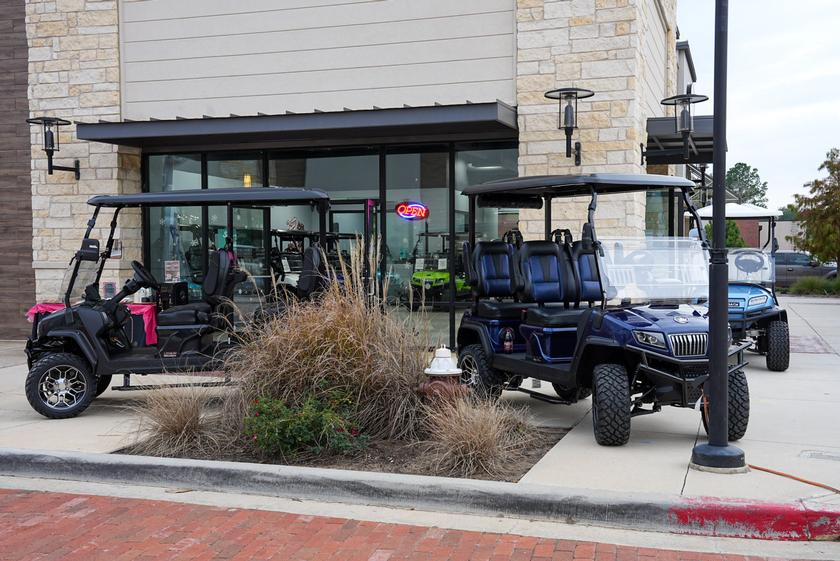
<point>793,428</point>
<point>35,525</point>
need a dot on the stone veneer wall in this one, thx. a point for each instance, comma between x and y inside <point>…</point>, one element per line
<point>17,282</point>
<point>599,45</point>
<point>74,73</point>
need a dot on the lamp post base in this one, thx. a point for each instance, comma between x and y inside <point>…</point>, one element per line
<point>718,459</point>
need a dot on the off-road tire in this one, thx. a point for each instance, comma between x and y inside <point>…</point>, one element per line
<point>611,405</point>
<point>486,381</point>
<point>57,360</point>
<point>102,384</point>
<point>571,395</point>
<point>739,407</point>
<point>778,346</point>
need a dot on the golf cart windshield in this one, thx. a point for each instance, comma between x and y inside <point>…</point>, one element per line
<point>85,276</point>
<point>655,270</point>
<point>752,265</point>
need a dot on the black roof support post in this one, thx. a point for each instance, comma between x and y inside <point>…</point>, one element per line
<point>718,455</point>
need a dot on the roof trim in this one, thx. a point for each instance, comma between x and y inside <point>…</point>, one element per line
<point>685,47</point>
<point>240,196</point>
<point>492,120</point>
<point>574,185</point>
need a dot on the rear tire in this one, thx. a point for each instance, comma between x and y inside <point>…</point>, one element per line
<point>778,346</point>
<point>477,373</point>
<point>102,384</point>
<point>611,405</point>
<point>739,407</point>
<point>60,386</point>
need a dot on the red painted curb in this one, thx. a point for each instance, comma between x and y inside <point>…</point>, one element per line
<point>711,516</point>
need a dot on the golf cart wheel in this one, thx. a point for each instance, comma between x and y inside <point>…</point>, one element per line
<point>572,395</point>
<point>611,405</point>
<point>477,373</point>
<point>102,384</point>
<point>739,406</point>
<point>60,386</point>
<point>778,346</point>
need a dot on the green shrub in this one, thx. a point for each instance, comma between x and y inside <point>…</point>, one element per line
<point>816,286</point>
<point>318,424</point>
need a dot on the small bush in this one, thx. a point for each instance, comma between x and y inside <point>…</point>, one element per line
<point>315,426</point>
<point>468,437</point>
<point>179,422</point>
<point>816,286</point>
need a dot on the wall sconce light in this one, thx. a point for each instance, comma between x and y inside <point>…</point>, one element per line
<point>52,142</point>
<point>683,119</point>
<point>568,115</point>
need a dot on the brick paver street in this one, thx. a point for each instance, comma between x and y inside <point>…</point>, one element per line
<point>47,526</point>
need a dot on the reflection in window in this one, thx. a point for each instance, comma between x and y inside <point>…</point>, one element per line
<point>234,169</point>
<point>174,172</point>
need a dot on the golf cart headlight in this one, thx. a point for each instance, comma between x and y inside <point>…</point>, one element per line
<point>757,300</point>
<point>650,338</point>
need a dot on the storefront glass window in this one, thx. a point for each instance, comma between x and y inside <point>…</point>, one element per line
<point>234,169</point>
<point>175,240</point>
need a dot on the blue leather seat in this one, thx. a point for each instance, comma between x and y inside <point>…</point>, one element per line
<point>493,275</point>
<point>545,279</point>
<point>583,254</point>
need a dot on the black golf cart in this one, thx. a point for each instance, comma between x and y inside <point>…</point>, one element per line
<point>73,352</point>
<point>624,319</point>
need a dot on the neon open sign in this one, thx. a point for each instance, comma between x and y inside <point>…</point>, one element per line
<point>412,210</point>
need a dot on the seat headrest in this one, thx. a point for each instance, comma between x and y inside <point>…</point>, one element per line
<point>493,269</point>
<point>539,248</point>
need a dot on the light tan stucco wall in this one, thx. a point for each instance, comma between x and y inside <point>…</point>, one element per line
<point>600,45</point>
<point>74,74</point>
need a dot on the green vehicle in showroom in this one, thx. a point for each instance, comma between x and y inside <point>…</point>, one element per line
<point>429,283</point>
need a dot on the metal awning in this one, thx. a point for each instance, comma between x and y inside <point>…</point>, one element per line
<point>665,146</point>
<point>479,121</point>
<point>214,197</point>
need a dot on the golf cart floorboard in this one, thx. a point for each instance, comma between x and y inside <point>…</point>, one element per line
<point>516,363</point>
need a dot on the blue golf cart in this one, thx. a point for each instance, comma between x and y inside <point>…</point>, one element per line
<point>623,319</point>
<point>754,312</point>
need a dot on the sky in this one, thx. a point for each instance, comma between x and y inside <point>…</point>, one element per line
<point>783,108</point>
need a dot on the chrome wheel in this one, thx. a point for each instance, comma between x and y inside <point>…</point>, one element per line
<point>469,371</point>
<point>62,387</point>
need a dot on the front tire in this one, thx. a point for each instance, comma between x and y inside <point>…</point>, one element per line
<point>611,405</point>
<point>477,373</point>
<point>739,407</point>
<point>778,346</point>
<point>60,386</point>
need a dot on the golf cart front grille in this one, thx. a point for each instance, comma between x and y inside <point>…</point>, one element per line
<point>689,344</point>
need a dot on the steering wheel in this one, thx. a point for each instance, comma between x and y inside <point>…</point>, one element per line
<point>749,261</point>
<point>143,276</point>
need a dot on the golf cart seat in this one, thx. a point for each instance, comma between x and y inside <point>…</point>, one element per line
<point>545,279</point>
<point>313,273</point>
<point>492,276</point>
<point>217,289</point>
<point>583,254</point>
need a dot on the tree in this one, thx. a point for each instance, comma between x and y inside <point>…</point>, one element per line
<point>819,213</point>
<point>744,182</point>
<point>733,234</point>
<point>789,212</point>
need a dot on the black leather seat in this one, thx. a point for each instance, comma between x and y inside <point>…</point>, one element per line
<point>313,274</point>
<point>217,288</point>
<point>545,279</point>
<point>492,275</point>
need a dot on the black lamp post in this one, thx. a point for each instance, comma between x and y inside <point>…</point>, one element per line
<point>718,454</point>
<point>683,119</point>
<point>52,142</point>
<point>568,114</point>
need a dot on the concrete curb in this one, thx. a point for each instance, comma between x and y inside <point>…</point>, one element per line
<point>632,511</point>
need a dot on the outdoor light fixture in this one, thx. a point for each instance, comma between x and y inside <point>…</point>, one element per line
<point>568,114</point>
<point>52,142</point>
<point>683,119</point>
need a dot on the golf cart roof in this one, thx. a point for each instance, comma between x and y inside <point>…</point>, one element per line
<point>575,185</point>
<point>746,210</point>
<point>239,196</point>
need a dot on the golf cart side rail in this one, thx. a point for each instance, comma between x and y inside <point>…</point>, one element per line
<point>237,196</point>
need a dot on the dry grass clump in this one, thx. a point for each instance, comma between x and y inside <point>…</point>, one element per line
<point>181,422</point>
<point>344,340</point>
<point>469,437</point>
